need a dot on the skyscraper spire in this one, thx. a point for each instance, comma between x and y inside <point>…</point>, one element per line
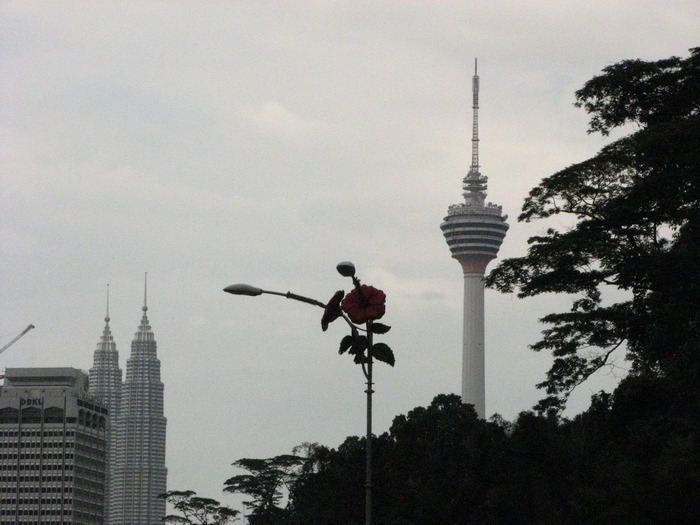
<point>144,332</point>
<point>474,232</point>
<point>106,346</point>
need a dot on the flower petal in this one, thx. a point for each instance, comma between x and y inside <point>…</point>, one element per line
<point>332,310</point>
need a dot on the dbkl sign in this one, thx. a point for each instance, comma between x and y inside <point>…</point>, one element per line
<point>31,401</point>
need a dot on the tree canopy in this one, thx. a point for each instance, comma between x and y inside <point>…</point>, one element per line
<point>264,484</point>
<point>636,206</point>
<point>195,510</point>
<point>625,460</point>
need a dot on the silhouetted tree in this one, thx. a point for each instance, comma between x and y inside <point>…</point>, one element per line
<point>637,210</point>
<point>264,485</point>
<point>195,510</point>
<point>431,467</point>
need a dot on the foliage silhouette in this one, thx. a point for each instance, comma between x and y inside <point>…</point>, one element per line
<point>264,484</point>
<point>195,510</point>
<point>637,210</point>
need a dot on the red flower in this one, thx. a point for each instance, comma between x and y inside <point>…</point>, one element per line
<point>365,306</point>
<point>332,310</point>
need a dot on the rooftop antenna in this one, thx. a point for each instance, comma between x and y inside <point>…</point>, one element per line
<point>475,123</point>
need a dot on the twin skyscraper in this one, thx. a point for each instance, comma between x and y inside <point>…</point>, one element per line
<point>135,457</point>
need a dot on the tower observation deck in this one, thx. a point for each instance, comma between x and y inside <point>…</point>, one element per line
<point>474,231</point>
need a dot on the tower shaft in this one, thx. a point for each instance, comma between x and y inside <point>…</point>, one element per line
<point>473,355</point>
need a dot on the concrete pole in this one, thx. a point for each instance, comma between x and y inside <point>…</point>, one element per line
<point>473,370</point>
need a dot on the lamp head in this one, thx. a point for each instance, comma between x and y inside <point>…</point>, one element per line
<point>243,289</point>
<point>346,269</point>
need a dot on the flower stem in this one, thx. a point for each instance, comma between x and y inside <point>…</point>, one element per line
<point>351,324</point>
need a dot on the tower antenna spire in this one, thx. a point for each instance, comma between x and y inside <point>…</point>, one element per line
<point>107,316</point>
<point>475,122</point>
<point>145,291</point>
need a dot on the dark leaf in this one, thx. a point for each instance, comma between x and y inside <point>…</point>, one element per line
<point>383,353</point>
<point>359,358</point>
<point>379,328</point>
<point>359,343</point>
<point>345,344</point>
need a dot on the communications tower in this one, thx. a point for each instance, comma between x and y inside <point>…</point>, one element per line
<point>474,231</point>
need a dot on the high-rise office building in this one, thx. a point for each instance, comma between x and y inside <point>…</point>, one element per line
<point>106,385</point>
<point>474,231</point>
<point>52,448</point>
<point>140,473</point>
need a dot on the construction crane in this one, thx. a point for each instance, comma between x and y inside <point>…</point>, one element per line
<point>8,345</point>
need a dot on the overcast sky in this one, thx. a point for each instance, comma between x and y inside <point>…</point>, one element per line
<point>210,143</point>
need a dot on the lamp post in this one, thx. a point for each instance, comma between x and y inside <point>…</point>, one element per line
<point>363,305</point>
<point>347,269</point>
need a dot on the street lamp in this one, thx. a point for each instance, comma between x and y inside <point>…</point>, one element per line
<point>246,289</point>
<point>363,306</point>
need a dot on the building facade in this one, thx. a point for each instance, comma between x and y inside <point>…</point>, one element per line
<point>52,448</point>
<point>474,231</point>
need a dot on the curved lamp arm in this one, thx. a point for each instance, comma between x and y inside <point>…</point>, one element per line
<point>246,289</point>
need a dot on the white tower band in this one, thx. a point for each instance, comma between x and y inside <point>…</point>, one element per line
<point>474,232</point>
